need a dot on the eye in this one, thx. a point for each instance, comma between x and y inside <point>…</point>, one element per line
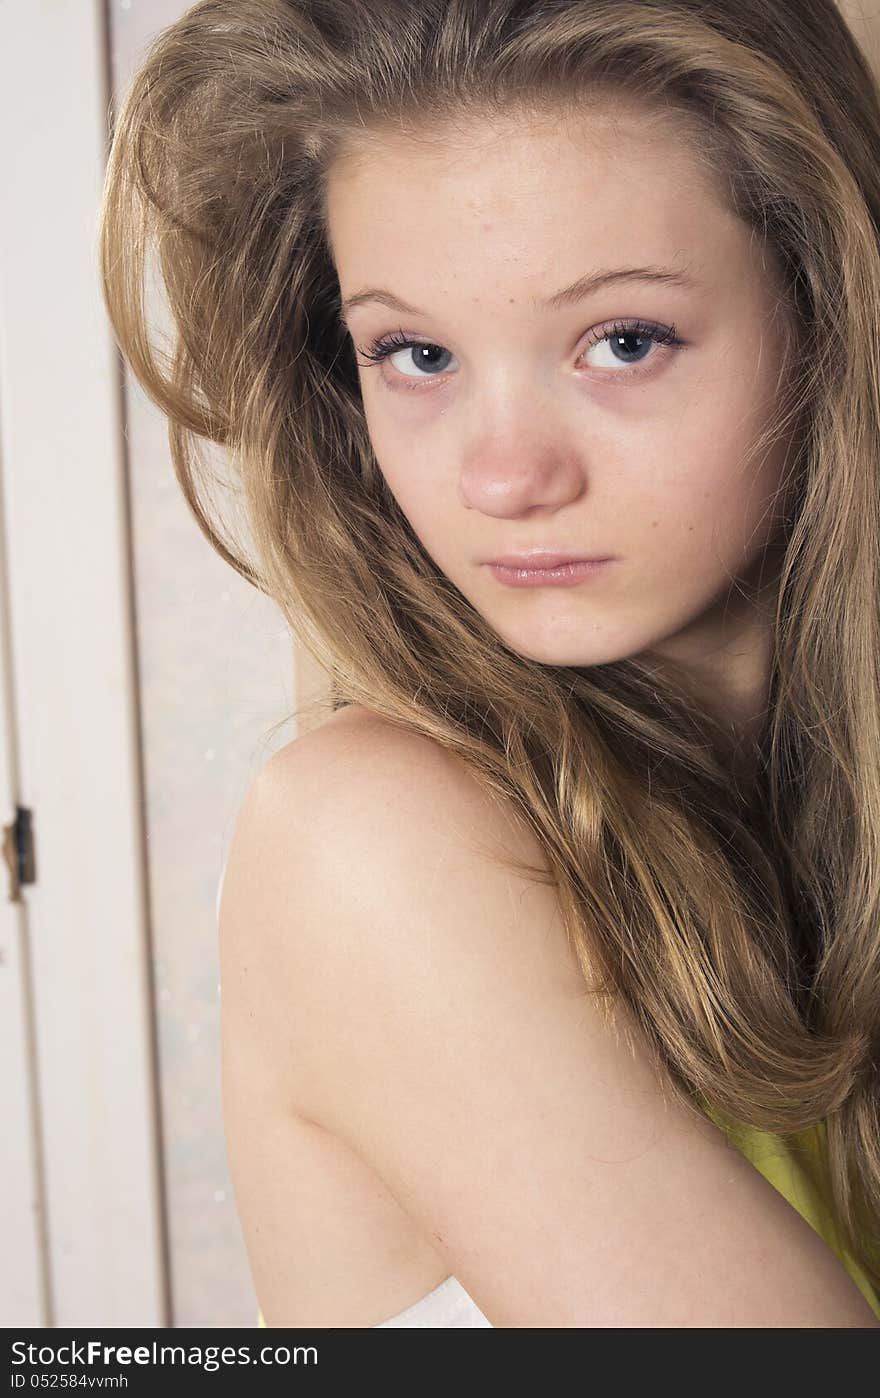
<point>421,354</point>
<point>627,345</point>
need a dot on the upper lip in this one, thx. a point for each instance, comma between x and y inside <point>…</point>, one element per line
<point>543,558</point>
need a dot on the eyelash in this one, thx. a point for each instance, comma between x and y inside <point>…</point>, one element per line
<point>385,345</point>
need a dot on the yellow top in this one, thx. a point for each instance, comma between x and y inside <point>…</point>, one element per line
<point>794,1168</point>
<point>791,1167</point>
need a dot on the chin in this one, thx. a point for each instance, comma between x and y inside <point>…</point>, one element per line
<point>549,651</point>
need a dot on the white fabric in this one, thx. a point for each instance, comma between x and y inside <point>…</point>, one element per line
<point>447,1307</point>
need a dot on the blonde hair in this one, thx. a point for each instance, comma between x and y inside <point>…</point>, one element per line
<point>738,920</point>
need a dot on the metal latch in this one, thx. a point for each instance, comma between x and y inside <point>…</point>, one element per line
<point>18,851</point>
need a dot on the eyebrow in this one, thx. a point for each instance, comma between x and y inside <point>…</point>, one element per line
<point>568,296</point>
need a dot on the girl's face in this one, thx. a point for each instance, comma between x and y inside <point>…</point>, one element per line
<point>613,421</point>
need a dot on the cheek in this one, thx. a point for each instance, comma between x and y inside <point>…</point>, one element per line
<point>710,490</point>
<point>407,461</point>
<point>745,495</point>
<point>421,503</point>
<point>422,496</point>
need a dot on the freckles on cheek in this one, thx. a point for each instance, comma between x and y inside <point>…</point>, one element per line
<point>674,515</point>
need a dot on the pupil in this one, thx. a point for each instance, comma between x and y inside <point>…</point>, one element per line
<point>623,340</point>
<point>427,355</point>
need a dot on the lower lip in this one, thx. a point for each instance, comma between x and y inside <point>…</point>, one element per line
<point>566,575</point>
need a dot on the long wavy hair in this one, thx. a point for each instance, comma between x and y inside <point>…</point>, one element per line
<point>737,919</point>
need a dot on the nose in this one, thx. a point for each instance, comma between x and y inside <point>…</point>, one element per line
<point>513,475</point>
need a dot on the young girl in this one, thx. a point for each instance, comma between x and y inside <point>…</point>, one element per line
<point>542,335</point>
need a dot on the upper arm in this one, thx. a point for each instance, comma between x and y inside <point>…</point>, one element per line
<point>422,1003</point>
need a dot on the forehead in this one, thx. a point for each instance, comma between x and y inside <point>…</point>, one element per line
<point>535,195</point>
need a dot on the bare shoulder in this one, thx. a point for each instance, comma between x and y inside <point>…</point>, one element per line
<point>354,809</point>
<point>363,756</point>
<point>366,794</point>
<point>420,1003</point>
